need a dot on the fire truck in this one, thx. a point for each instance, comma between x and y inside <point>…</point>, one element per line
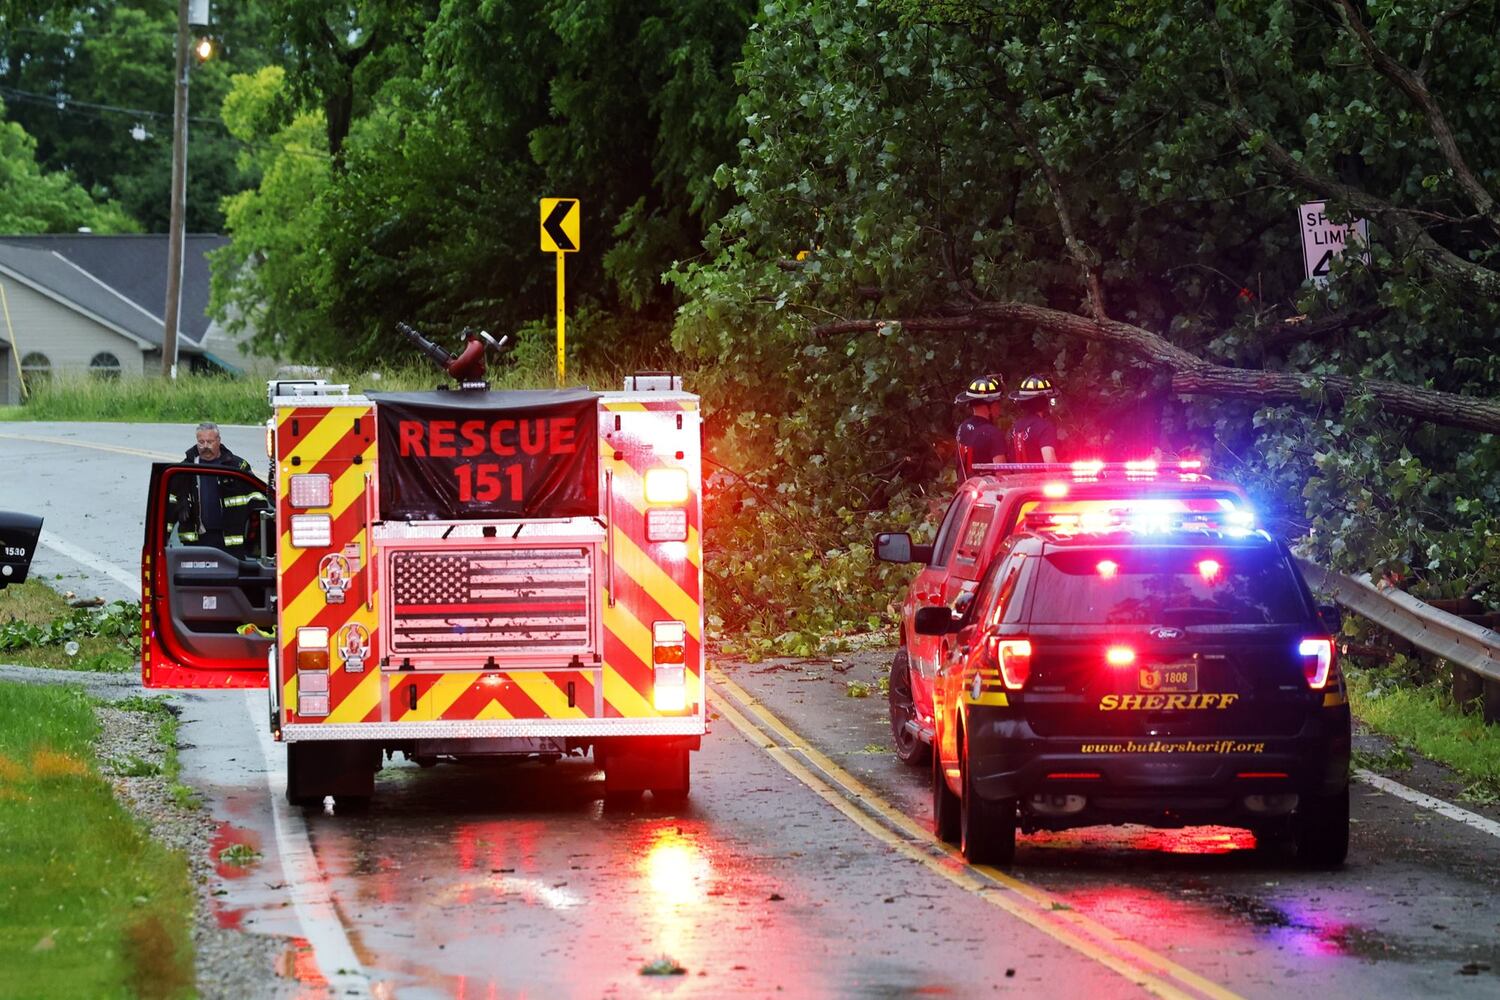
<point>450,574</point>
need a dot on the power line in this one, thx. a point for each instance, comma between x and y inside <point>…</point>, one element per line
<point>89,109</point>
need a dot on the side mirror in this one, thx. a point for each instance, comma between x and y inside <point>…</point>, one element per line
<point>1332,617</point>
<point>896,547</point>
<point>934,621</point>
<point>18,537</point>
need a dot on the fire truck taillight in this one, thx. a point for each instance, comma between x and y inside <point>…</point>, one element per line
<point>666,486</point>
<point>1317,661</point>
<point>312,649</point>
<point>668,653</point>
<point>312,671</point>
<point>311,489</point>
<point>666,524</point>
<point>312,531</point>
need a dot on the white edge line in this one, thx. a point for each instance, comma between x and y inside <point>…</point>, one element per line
<point>86,558</point>
<point>1448,809</point>
<point>311,899</point>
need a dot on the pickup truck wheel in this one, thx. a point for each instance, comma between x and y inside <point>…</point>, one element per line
<point>1321,827</point>
<point>944,803</point>
<point>987,828</point>
<point>910,746</point>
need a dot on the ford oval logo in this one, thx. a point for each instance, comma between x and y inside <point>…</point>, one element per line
<point>1167,632</point>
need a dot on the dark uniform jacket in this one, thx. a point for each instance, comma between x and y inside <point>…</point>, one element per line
<point>1029,434</point>
<point>979,442</point>
<point>217,510</point>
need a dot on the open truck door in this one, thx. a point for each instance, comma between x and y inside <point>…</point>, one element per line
<point>208,584</point>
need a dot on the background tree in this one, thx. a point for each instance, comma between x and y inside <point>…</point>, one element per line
<point>35,201</point>
<point>1108,192</point>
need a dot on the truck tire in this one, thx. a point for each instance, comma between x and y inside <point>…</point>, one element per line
<point>1321,828</point>
<point>344,769</point>
<point>910,746</point>
<point>987,828</point>
<point>944,803</point>
<point>674,779</point>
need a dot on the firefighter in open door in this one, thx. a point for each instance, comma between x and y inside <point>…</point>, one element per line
<point>1033,437</point>
<point>218,511</point>
<point>980,440</point>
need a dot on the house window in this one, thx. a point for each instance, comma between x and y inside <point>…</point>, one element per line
<point>36,368</point>
<point>104,365</point>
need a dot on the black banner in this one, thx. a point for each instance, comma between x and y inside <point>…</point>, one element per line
<point>467,455</point>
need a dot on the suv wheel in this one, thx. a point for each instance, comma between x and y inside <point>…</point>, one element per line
<point>1322,830</point>
<point>987,828</point>
<point>944,803</point>
<point>910,747</point>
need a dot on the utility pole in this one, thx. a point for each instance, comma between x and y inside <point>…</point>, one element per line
<point>179,199</point>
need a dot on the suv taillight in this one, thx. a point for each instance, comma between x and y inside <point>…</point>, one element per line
<point>1013,659</point>
<point>1317,661</point>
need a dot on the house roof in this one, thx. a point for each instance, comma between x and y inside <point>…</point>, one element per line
<point>120,281</point>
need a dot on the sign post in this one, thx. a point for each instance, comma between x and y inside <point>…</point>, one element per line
<point>560,237</point>
<point>1323,240</point>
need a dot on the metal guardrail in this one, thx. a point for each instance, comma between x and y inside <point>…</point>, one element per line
<point>1473,648</point>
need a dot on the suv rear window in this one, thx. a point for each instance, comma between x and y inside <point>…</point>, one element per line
<point>1166,586</point>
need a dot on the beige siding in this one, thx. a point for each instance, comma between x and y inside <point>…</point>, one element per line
<point>68,338</point>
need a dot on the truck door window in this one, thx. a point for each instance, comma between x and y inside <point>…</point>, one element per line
<point>971,540</point>
<point>947,535</point>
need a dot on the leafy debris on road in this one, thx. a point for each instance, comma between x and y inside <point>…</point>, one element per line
<point>239,855</point>
<point>664,966</point>
<point>857,689</point>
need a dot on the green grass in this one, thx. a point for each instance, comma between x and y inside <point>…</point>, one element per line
<point>36,623</point>
<point>90,905</point>
<point>1425,719</point>
<point>242,399</point>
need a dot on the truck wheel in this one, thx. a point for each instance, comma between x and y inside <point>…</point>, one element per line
<point>944,803</point>
<point>1321,827</point>
<point>910,746</point>
<point>987,828</point>
<point>344,769</point>
<point>674,778</point>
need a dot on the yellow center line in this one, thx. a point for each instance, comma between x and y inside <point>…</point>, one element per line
<point>958,876</point>
<point>1147,962</point>
<point>74,443</point>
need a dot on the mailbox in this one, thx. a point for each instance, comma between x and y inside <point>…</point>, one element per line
<point>18,535</point>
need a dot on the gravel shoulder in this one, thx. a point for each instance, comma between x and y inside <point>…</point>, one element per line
<point>230,964</point>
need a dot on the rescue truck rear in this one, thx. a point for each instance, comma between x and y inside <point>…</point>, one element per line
<point>452,574</point>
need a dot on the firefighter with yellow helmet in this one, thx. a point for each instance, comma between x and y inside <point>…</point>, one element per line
<point>980,439</point>
<point>1033,437</point>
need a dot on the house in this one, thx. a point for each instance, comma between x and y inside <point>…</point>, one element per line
<point>83,302</point>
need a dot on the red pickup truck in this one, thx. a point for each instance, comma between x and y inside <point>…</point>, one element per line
<point>987,510</point>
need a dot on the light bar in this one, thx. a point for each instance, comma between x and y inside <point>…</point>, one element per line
<point>311,531</point>
<point>1093,469</point>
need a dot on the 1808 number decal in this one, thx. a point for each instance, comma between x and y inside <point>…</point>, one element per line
<point>487,483</point>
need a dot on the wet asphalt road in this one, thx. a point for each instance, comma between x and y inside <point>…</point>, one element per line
<point>515,881</point>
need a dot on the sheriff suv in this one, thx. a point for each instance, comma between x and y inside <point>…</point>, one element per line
<point>1163,670</point>
<point>987,510</point>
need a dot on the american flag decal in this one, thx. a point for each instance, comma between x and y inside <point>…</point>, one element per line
<point>492,601</point>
